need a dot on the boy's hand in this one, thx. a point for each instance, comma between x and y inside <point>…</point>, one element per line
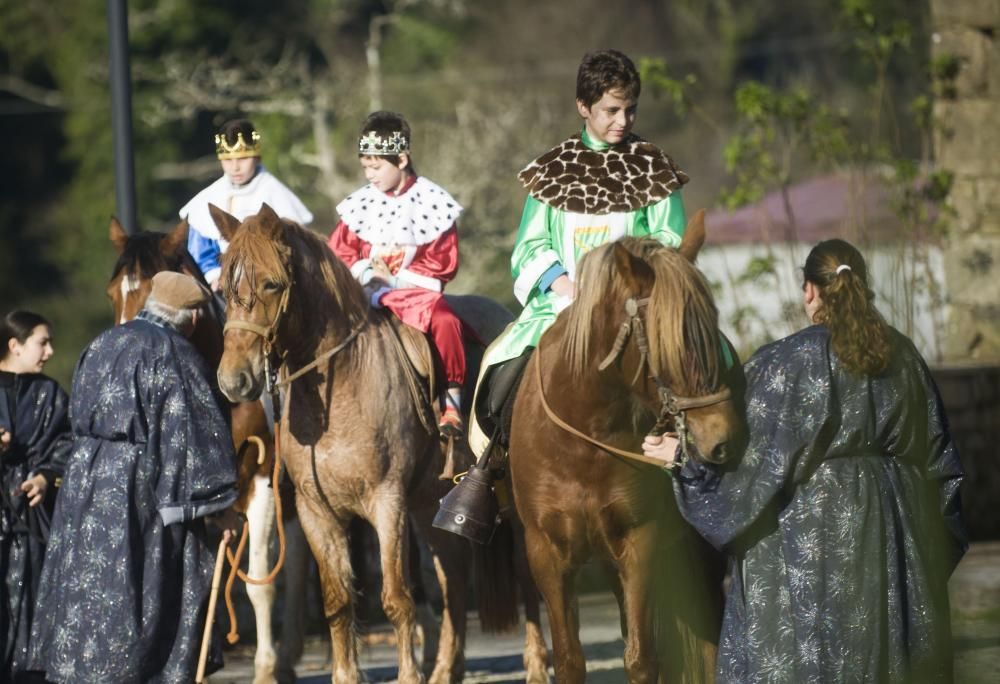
<point>564,287</point>
<point>381,270</point>
<point>4,439</point>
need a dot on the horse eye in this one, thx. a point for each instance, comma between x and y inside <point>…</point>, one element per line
<point>271,286</point>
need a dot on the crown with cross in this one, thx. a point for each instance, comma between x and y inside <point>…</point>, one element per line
<point>374,145</point>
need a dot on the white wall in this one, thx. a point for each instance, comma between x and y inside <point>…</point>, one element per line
<point>900,277</point>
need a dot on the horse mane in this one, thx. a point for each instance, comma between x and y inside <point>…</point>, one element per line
<point>292,254</point>
<point>681,319</point>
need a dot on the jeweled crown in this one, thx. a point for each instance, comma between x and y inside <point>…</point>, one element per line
<point>238,150</point>
<point>374,145</point>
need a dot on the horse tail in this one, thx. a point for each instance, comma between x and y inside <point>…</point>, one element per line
<point>494,572</point>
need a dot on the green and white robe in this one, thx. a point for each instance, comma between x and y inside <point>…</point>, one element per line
<point>583,194</point>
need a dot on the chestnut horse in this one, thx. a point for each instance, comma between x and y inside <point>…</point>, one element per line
<point>640,342</point>
<point>357,436</point>
<point>140,257</point>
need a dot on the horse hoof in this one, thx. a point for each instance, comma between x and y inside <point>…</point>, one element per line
<point>441,677</point>
<point>285,675</point>
<point>537,677</point>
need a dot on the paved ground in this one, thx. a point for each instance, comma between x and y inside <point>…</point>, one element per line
<point>974,588</point>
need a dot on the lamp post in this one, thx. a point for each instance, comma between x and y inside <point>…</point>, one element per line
<point>121,114</point>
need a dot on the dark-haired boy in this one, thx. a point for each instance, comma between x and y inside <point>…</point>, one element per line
<point>599,185</point>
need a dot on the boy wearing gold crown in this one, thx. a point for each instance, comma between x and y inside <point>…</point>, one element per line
<point>599,185</point>
<point>245,185</point>
<point>399,236</point>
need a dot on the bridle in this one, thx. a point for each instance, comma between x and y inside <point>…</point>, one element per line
<point>269,335</point>
<point>673,407</point>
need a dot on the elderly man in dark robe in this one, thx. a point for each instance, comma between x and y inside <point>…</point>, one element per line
<point>125,587</point>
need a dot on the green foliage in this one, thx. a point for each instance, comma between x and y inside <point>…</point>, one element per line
<point>657,78</point>
<point>774,128</point>
<point>784,134</point>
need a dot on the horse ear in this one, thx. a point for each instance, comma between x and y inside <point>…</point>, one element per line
<point>224,221</point>
<point>267,213</point>
<point>176,240</point>
<point>117,235</point>
<point>627,264</point>
<point>694,236</point>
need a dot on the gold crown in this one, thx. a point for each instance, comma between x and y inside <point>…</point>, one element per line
<point>223,150</point>
<point>374,145</point>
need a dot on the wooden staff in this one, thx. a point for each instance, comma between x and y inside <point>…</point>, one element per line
<point>206,638</point>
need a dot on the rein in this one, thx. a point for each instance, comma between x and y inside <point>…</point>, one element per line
<point>632,455</point>
<point>672,406</point>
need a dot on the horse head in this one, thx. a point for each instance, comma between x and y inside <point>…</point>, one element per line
<point>269,257</point>
<point>140,257</point>
<point>143,255</point>
<point>646,314</point>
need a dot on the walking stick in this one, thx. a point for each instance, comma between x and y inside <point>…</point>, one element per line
<point>210,618</point>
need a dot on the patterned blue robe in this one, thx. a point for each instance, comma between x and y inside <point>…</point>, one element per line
<point>842,521</point>
<point>36,411</point>
<point>126,580</point>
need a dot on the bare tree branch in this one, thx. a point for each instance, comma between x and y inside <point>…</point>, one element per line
<point>31,92</point>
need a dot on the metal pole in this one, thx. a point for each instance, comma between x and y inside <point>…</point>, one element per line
<point>121,114</point>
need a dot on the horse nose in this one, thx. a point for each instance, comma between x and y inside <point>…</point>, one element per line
<point>244,382</point>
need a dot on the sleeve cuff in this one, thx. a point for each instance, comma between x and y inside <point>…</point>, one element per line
<point>405,276</point>
<point>213,274</point>
<point>527,279</point>
<point>359,268</point>
<point>550,276</point>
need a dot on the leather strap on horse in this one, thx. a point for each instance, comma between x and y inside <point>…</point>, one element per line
<point>642,458</point>
<point>323,357</point>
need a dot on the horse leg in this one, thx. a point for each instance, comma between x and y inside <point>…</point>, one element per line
<point>390,524</point>
<point>260,515</point>
<point>296,576</point>
<point>424,585</point>
<point>554,574</point>
<point>635,572</point>
<point>327,538</point>
<point>536,653</point>
<point>451,563</point>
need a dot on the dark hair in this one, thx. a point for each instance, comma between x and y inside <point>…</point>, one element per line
<point>234,127</point>
<point>860,337</point>
<point>19,325</point>
<point>603,71</point>
<point>384,124</point>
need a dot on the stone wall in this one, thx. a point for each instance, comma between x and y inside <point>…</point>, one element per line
<point>971,394</point>
<point>968,144</point>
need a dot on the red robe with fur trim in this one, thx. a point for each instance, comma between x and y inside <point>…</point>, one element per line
<point>418,248</point>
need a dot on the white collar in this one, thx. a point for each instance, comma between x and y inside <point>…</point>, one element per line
<point>417,216</point>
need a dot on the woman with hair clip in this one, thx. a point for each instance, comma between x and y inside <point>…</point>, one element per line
<point>34,443</point>
<point>842,518</point>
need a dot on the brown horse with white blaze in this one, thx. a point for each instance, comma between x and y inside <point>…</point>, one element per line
<point>140,257</point>
<point>639,347</point>
<point>356,436</point>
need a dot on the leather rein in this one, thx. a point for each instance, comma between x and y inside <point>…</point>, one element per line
<point>672,406</point>
<point>269,335</point>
